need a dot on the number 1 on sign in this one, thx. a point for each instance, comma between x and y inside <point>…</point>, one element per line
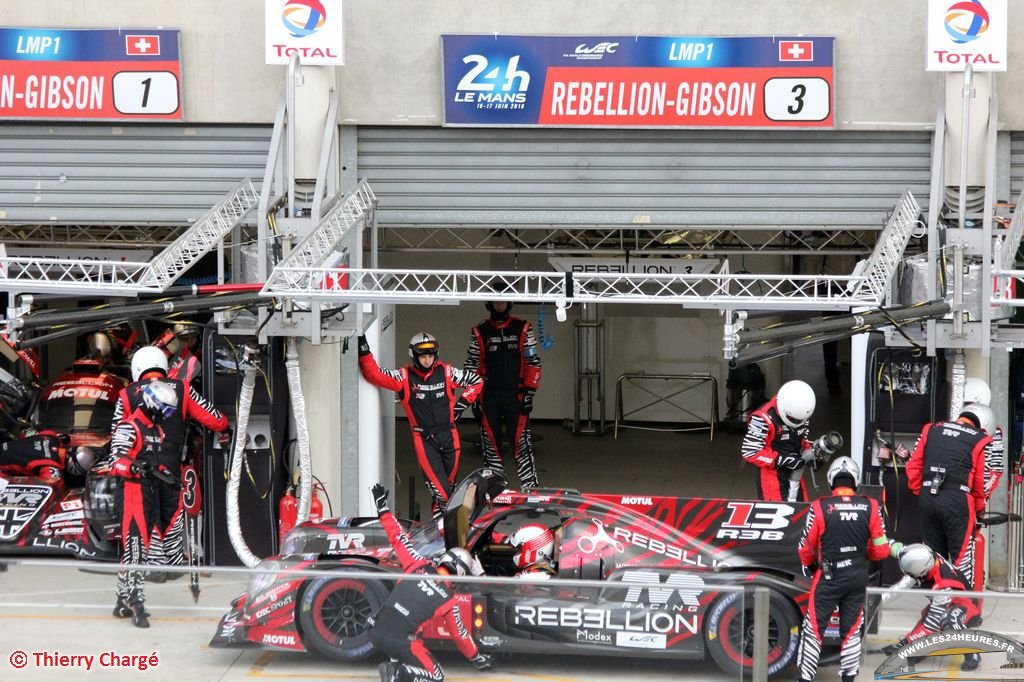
<point>797,99</point>
<point>145,92</point>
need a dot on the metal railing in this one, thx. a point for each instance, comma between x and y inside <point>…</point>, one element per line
<point>689,381</point>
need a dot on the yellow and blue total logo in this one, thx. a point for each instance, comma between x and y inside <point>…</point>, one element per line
<point>966,21</point>
<point>303,17</point>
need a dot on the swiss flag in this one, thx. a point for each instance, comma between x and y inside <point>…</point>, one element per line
<point>796,50</point>
<point>141,45</point>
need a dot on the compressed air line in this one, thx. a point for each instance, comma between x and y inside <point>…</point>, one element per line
<point>156,308</point>
<point>302,429</point>
<point>874,318</point>
<point>234,521</point>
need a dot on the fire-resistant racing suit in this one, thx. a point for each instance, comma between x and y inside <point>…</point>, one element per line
<point>947,473</point>
<point>414,601</point>
<point>136,440</point>
<point>504,354</point>
<point>843,532</point>
<point>168,544</point>
<point>428,399</point>
<point>775,448</point>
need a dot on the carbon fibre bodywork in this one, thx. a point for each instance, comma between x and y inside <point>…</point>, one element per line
<point>692,548</point>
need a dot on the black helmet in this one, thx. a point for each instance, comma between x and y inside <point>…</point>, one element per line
<point>496,315</point>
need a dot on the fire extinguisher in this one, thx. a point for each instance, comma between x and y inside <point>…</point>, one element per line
<point>288,510</point>
<point>979,559</point>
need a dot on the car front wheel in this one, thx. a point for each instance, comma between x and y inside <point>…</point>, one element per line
<point>334,613</point>
<point>729,633</point>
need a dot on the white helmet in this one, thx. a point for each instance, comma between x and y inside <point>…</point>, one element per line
<point>916,560</point>
<point>981,415</point>
<point>458,561</point>
<point>533,543</point>
<point>843,465</point>
<point>147,358</point>
<point>976,390</point>
<point>795,402</point>
<point>159,400</point>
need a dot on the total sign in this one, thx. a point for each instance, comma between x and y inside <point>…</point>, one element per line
<point>962,32</point>
<point>311,29</point>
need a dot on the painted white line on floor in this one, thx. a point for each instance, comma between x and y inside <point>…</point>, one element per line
<point>163,607</point>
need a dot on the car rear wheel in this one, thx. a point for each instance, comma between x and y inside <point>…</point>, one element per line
<point>334,614</point>
<point>730,633</point>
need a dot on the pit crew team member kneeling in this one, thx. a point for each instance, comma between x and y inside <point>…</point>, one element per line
<point>844,530</point>
<point>776,440</point>
<point>134,453</point>
<point>930,570</point>
<point>416,600</point>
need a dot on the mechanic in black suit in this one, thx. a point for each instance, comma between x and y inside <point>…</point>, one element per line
<point>843,531</point>
<point>414,601</point>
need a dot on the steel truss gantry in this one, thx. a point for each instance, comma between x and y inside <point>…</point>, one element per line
<point>91,236</point>
<point>108,278</point>
<point>678,241</point>
<point>721,290</point>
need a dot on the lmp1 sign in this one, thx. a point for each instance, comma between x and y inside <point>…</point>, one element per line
<point>638,81</point>
<point>94,74</point>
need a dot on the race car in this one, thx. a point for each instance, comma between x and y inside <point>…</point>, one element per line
<point>693,547</point>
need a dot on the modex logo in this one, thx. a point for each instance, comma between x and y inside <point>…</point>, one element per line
<point>906,663</point>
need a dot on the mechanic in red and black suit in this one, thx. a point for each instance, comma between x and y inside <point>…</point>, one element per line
<point>503,352</point>
<point>184,364</point>
<point>426,389</point>
<point>926,568</point>
<point>414,601</point>
<point>776,440</point>
<point>135,451</point>
<point>947,473</point>
<point>150,364</point>
<point>843,532</point>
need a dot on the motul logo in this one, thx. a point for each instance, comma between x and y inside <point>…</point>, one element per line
<point>279,640</point>
<point>80,392</point>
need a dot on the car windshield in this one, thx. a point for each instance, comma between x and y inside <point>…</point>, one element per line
<point>427,540</point>
<point>67,415</point>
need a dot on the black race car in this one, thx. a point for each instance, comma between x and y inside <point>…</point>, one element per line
<point>692,547</point>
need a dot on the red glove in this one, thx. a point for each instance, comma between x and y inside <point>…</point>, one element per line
<point>224,437</point>
<point>122,466</point>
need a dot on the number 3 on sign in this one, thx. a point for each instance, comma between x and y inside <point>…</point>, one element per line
<point>145,92</point>
<point>797,99</point>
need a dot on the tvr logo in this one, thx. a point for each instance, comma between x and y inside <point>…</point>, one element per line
<point>500,82</point>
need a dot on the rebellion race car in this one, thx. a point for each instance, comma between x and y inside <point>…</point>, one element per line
<point>692,547</point>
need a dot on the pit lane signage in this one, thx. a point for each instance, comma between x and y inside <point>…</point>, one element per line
<point>962,32</point>
<point>638,81</point>
<point>90,74</point>
<point>311,29</point>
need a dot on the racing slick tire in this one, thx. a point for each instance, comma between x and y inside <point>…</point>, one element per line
<point>729,633</point>
<point>334,613</point>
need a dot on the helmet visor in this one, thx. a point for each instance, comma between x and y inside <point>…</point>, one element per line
<point>425,348</point>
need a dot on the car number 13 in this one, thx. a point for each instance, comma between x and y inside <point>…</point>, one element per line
<point>797,99</point>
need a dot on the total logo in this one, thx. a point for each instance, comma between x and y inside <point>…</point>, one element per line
<point>966,21</point>
<point>493,81</point>
<point>303,17</point>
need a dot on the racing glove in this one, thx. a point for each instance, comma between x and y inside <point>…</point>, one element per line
<point>895,547</point>
<point>460,407</point>
<point>122,466</point>
<point>364,346</point>
<point>791,462</point>
<point>526,405</point>
<point>809,571</point>
<point>979,517</point>
<point>380,498</point>
<point>483,661</point>
<point>224,437</point>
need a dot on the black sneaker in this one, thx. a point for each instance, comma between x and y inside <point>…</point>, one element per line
<point>971,662</point>
<point>156,577</point>
<point>121,609</point>
<point>140,618</point>
<point>891,649</point>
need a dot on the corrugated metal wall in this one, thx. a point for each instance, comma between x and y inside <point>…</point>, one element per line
<point>453,176</point>
<point>123,174</point>
<point>1016,164</point>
